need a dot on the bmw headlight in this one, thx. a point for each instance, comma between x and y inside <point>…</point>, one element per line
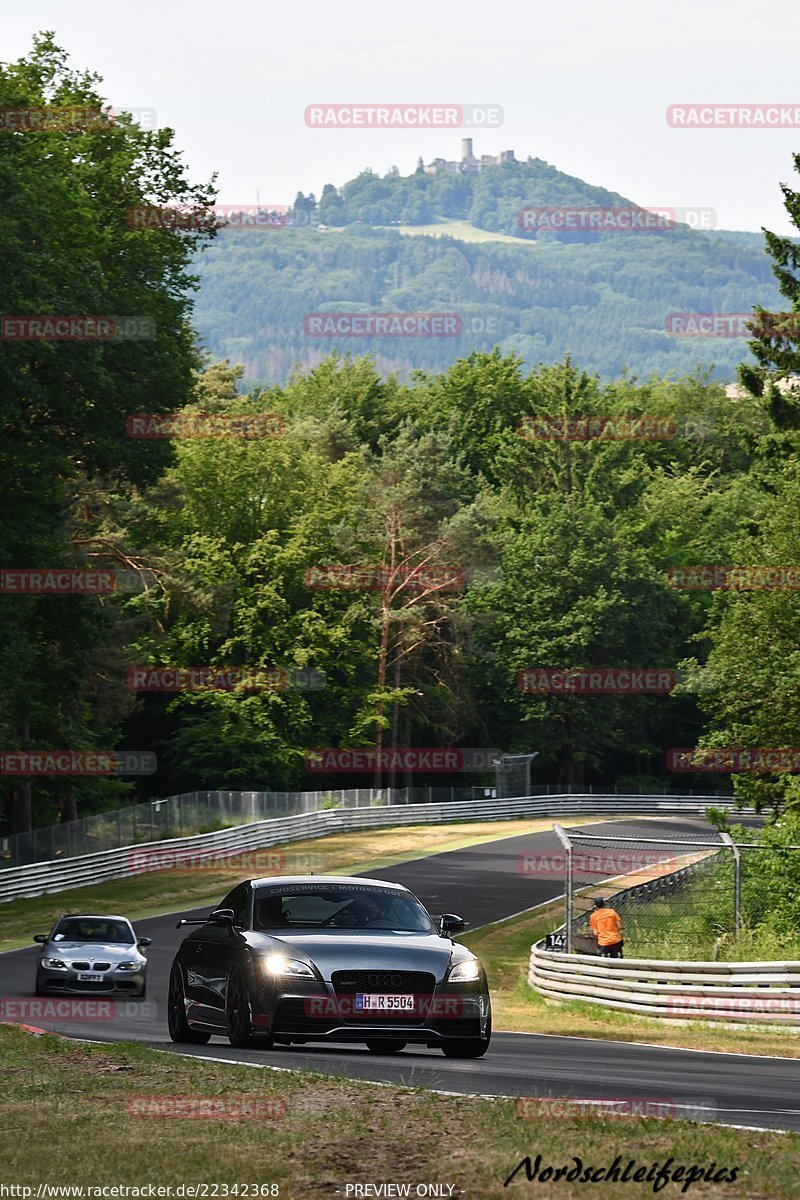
<point>465,972</point>
<point>129,966</point>
<point>279,964</point>
<point>54,964</point>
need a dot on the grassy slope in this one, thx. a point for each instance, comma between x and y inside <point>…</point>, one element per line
<point>64,1119</point>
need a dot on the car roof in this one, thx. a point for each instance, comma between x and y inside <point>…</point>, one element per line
<point>342,879</point>
<point>93,917</point>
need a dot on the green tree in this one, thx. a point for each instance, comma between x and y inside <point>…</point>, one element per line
<point>68,248</point>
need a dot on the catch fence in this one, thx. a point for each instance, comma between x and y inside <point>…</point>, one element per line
<point>683,896</point>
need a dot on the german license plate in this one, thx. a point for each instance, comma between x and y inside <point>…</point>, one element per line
<point>383,1002</point>
<point>89,977</point>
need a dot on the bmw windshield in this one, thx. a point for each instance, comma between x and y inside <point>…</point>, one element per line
<point>330,906</point>
<point>95,930</point>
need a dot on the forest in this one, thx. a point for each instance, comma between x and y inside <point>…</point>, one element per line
<point>354,556</point>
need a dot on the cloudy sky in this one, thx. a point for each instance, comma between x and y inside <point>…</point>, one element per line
<point>585,86</point>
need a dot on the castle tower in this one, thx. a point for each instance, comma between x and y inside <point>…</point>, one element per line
<point>466,149</point>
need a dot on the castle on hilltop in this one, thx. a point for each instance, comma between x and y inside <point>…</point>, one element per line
<point>467,163</point>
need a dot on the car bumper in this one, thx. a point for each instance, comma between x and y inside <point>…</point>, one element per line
<point>313,1012</point>
<point>120,983</point>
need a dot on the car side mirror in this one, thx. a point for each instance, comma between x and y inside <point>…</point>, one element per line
<point>40,937</point>
<point>450,923</point>
<point>222,916</point>
<point>144,941</point>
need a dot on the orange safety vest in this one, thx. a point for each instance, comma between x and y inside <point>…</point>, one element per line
<point>606,926</point>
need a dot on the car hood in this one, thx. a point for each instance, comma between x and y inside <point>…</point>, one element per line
<point>81,951</point>
<point>365,952</point>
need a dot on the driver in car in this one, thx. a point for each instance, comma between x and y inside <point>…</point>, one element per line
<point>364,910</point>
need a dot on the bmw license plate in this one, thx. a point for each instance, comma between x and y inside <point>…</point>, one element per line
<point>89,977</point>
<point>383,1002</point>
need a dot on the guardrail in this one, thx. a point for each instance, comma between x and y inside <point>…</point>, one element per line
<point>734,991</point>
<point>38,879</point>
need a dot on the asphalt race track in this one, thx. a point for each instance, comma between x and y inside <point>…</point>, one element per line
<point>483,884</point>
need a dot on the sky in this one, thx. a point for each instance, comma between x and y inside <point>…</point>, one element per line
<point>585,86</point>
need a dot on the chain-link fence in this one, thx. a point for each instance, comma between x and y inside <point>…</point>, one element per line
<point>689,896</point>
<point>204,812</point>
<point>174,816</point>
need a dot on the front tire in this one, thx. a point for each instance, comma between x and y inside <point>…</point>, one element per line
<point>237,1012</point>
<point>469,1047</point>
<point>179,1028</point>
<point>390,1046</point>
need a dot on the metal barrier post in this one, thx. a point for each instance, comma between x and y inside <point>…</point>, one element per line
<point>737,880</point>
<point>561,834</point>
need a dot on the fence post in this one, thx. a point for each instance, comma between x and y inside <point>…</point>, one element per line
<point>737,880</point>
<point>567,844</point>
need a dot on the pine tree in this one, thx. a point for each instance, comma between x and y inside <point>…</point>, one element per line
<point>776,344</point>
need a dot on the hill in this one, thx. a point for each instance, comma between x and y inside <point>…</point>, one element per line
<point>454,243</point>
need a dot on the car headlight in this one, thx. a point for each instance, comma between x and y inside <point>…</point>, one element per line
<point>279,964</point>
<point>54,964</point>
<point>464,972</point>
<point>129,966</point>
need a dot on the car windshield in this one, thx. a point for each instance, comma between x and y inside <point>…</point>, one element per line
<point>93,929</point>
<point>332,906</point>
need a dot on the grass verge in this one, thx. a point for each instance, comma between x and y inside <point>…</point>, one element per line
<point>504,950</point>
<point>65,1120</point>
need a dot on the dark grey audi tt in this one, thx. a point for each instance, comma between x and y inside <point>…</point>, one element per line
<point>328,958</point>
